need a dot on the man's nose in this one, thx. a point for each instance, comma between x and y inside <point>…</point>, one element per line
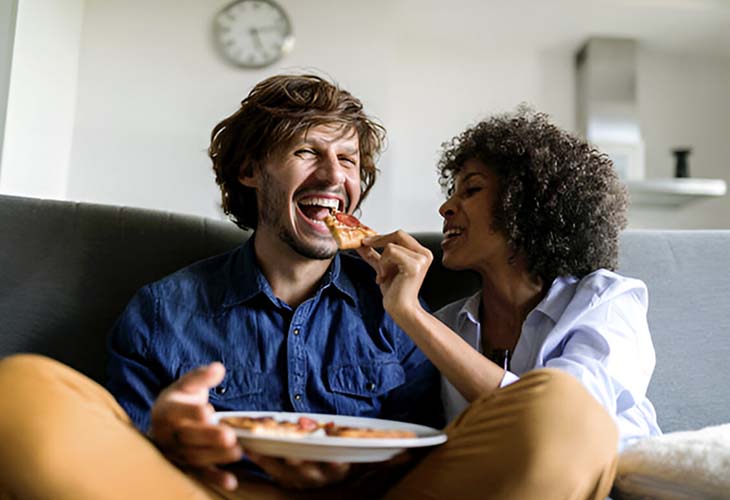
<point>330,170</point>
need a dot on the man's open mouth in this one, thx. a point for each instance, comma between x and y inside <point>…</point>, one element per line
<point>316,208</point>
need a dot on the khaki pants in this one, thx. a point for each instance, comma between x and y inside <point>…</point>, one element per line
<point>62,436</point>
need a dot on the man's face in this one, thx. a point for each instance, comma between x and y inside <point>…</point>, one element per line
<point>297,187</point>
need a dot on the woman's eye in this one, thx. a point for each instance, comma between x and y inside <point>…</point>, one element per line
<point>472,190</point>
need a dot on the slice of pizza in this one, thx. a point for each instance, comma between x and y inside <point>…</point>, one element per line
<point>347,231</point>
<point>268,426</point>
<point>366,432</point>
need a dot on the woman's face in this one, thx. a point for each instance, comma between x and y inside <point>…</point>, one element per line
<point>470,241</point>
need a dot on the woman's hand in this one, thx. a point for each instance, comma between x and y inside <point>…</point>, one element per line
<point>401,269</point>
<point>182,429</point>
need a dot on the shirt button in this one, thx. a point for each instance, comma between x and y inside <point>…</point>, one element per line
<point>296,331</point>
<point>297,396</point>
<point>220,390</point>
<point>370,386</point>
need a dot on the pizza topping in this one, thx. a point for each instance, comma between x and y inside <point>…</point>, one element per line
<point>347,219</point>
<point>308,424</point>
<point>305,426</point>
<point>347,231</point>
<point>333,430</point>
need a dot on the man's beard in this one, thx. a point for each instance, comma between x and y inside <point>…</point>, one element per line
<point>272,206</point>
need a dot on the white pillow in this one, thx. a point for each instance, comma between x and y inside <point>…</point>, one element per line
<point>679,465</point>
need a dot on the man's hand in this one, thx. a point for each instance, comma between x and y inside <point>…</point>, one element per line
<point>181,427</point>
<point>299,474</point>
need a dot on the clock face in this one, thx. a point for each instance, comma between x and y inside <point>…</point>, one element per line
<point>253,33</point>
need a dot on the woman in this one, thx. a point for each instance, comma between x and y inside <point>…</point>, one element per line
<point>537,214</point>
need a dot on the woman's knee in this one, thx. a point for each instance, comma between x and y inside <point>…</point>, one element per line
<point>21,369</point>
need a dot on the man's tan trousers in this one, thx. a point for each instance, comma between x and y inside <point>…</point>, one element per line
<point>62,436</point>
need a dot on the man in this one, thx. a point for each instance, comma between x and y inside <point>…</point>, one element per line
<point>296,326</point>
<point>282,323</point>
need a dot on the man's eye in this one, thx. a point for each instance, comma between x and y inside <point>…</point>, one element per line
<point>304,152</point>
<point>349,160</point>
<point>472,190</point>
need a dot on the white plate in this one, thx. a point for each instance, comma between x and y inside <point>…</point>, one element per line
<point>322,448</point>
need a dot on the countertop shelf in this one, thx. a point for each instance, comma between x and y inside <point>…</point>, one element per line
<point>674,192</point>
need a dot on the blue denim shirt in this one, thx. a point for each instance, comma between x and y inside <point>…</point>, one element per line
<point>338,352</point>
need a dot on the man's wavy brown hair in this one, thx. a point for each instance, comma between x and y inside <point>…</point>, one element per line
<point>559,199</point>
<point>279,110</point>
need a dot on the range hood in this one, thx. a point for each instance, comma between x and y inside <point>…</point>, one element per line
<point>608,117</point>
<point>607,110</point>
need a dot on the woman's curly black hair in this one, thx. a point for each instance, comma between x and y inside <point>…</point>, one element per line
<point>560,202</point>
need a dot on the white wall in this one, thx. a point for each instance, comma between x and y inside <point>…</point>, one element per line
<point>150,88</point>
<point>685,101</point>
<point>8,11</point>
<point>41,98</point>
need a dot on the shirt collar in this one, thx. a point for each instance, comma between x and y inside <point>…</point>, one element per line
<point>470,309</point>
<point>552,305</point>
<point>556,300</point>
<point>338,279</point>
<point>245,280</point>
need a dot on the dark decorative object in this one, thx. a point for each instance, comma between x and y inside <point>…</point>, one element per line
<point>681,168</point>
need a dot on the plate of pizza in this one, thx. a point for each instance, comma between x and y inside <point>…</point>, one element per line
<point>326,438</point>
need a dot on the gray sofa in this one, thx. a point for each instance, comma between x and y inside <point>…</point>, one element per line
<point>68,269</point>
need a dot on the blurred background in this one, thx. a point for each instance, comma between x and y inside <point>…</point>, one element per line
<point>113,101</point>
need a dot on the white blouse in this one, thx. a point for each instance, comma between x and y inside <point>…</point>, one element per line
<point>595,329</point>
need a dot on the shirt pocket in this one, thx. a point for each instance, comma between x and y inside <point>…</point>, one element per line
<point>240,384</point>
<point>358,389</point>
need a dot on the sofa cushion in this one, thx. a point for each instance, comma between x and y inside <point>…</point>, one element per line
<point>677,465</point>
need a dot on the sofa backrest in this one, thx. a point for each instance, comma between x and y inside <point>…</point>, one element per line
<point>688,277</point>
<point>68,269</point>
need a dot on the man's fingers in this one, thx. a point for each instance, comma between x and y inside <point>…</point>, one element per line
<point>203,456</point>
<point>300,474</point>
<point>201,378</point>
<point>277,469</point>
<point>222,479</point>
<point>191,434</point>
<point>178,406</point>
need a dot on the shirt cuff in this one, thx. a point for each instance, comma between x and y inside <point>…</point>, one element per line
<point>509,378</point>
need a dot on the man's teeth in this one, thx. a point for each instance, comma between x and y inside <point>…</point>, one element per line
<point>322,202</point>
<point>452,232</point>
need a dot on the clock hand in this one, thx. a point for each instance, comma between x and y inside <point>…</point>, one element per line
<point>256,38</point>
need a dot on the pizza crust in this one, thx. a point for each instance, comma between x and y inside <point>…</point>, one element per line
<point>268,426</point>
<point>304,426</point>
<point>347,231</point>
<point>366,432</point>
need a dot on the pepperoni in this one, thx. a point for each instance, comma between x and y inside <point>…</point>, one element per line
<point>347,219</point>
<point>307,424</point>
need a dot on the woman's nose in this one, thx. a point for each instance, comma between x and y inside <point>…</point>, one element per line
<point>446,209</point>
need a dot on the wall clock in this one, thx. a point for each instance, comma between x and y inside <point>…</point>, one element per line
<point>253,33</point>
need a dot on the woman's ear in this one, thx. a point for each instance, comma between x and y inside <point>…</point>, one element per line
<point>248,176</point>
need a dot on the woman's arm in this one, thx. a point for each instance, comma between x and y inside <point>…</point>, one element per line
<point>401,268</point>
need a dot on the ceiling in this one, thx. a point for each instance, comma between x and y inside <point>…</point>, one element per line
<point>677,26</point>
